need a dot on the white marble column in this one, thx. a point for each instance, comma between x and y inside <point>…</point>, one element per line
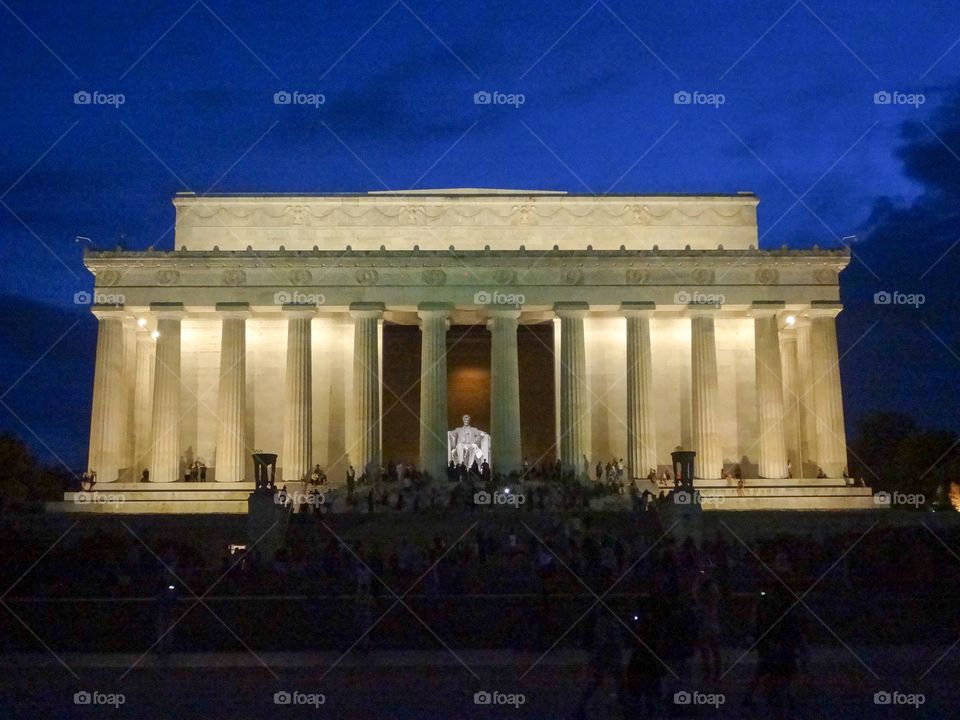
<point>232,393</point>
<point>772,446</point>
<point>165,454</point>
<point>806,418</point>
<point>705,393</point>
<point>790,374</point>
<point>505,391</point>
<point>827,397</point>
<point>108,419</point>
<point>433,387</point>
<point>641,419</point>
<point>367,385</point>
<point>142,402</point>
<point>574,411</point>
<point>295,462</point>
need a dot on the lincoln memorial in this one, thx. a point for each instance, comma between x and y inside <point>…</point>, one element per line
<point>357,329</point>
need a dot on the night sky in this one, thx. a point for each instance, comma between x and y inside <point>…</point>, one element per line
<point>798,125</point>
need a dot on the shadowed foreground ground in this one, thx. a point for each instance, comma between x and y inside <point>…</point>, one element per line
<point>437,685</point>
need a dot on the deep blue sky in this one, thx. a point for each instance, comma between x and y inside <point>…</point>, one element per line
<point>799,119</point>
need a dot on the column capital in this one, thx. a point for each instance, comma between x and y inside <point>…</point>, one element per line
<point>824,308</point>
<point>367,310</point>
<point>642,309</point>
<point>168,310</point>
<point>765,308</point>
<point>293,310</point>
<point>697,310</point>
<point>505,312</point>
<point>238,310</point>
<point>571,309</point>
<point>107,312</point>
<point>434,310</point>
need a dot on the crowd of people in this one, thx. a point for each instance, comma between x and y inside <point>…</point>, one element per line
<point>678,607</point>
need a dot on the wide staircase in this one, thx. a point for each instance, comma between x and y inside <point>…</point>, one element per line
<point>784,494</point>
<point>157,498</point>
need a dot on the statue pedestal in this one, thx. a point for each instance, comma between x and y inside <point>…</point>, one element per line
<point>267,520</point>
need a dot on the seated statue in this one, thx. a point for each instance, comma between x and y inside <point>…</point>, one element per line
<point>467,444</point>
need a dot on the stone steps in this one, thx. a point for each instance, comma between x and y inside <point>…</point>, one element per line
<point>152,507</point>
<point>157,498</point>
<point>766,482</point>
<point>784,491</point>
<point>796,502</point>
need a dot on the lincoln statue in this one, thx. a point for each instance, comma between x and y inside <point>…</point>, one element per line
<point>467,444</point>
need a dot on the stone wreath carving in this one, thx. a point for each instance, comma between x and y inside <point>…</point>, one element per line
<point>768,276</point>
<point>168,277</point>
<point>108,278</point>
<point>505,276</point>
<point>825,276</point>
<point>434,276</point>
<point>703,276</point>
<point>636,276</point>
<point>300,276</point>
<point>572,276</point>
<point>234,277</point>
<point>367,276</point>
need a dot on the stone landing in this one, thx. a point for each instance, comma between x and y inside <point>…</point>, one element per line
<point>784,494</point>
<point>157,498</point>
